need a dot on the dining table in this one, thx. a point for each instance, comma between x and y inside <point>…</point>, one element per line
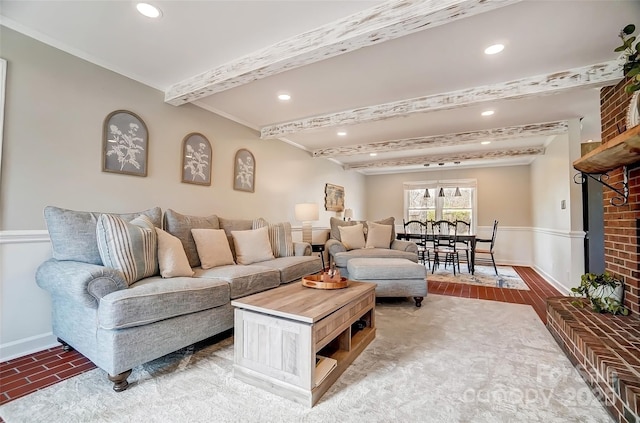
<point>470,238</point>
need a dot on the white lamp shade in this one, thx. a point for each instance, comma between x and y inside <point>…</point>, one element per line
<point>307,212</point>
<point>348,213</point>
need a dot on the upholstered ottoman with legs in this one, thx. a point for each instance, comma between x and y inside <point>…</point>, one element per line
<point>395,277</point>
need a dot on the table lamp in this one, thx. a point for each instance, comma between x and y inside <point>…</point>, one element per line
<point>307,213</point>
<point>348,214</point>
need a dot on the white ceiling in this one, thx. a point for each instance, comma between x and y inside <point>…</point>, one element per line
<point>541,38</point>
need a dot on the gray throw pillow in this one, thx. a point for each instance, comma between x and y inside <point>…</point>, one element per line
<point>73,233</point>
<point>180,225</point>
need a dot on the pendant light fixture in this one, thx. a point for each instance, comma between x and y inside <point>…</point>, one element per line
<point>441,193</point>
<point>457,193</point>
<point>426,193</point>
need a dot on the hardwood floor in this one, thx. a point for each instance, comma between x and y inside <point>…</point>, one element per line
<point>27,374</point>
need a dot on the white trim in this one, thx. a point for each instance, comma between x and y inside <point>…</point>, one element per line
<point>26,346</point>
<point>20,237</point>
<point>558,232</point>
<point>552,281</point>
<point>3,85</point>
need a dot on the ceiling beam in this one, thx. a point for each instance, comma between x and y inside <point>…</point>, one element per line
<point>384,22</point>
<point>601,74</point>
<point>453,157</point>
<point>461,138</point>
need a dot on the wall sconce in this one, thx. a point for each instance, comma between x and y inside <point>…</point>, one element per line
<point>307,213</point>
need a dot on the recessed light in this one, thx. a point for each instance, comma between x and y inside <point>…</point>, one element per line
<point>148,10</point>
<point>485,142</point>
<point>487,113</point>
<point>284,97</point>
<point>342,133</point>
<point>496,48</point>
<point>373,154</point>
<point>589,140</point>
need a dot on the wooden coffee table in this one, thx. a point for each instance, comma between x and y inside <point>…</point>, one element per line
<point>279,334</point>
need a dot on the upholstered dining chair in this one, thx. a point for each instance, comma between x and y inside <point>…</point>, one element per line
<point>486,257</point>
<point>420,228</point>
<point>444,244</point>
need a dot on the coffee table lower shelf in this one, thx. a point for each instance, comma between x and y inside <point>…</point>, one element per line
<point>276,351</point>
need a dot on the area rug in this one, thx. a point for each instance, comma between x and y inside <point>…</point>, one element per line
<point>452,360</point>
<point>483,275</point>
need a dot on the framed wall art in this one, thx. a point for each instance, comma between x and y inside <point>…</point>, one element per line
<point>196,159</point>
<point>333,198</point>
<point>125,144</point>
<point>244,171</point>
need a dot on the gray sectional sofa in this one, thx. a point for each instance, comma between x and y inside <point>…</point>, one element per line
<point>119,324</point>
<point>340,252</point>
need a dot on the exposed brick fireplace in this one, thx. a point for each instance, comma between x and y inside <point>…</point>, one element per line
<point>605,348</point>
<point>621,223</point>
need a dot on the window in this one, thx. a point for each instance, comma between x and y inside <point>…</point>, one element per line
<point>449,207</point>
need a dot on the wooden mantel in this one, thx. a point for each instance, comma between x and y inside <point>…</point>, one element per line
<point>623,150</point>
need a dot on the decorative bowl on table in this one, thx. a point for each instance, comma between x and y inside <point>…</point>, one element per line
<point>325,280</point>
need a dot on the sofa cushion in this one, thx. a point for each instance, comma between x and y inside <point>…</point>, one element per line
<point>230,225</point>
<point>336,224</point>
<point>388,221</point>
<point>352,236</point>
<point>172,259</point>
<point>341,259</point>
<point>130,247</point>
<point>243,280</point>
<point>154,299</point>
<point>378,235</point>
<point>213,248</point>
<point>279,237</point>
<point>73,233</point>
<point>252,246</point>
<point>180,225</point>
<point>295,267</point>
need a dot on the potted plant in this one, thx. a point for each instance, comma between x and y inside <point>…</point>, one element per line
<point>603,291</point>
<point>631,67</point>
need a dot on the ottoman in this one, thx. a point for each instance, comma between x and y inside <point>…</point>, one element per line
<point>394,277</point>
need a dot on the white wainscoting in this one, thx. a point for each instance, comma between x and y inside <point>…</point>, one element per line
<point>559,257</point>
<point>25,312</point>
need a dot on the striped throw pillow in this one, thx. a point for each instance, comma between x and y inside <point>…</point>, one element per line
<point>279,237</point>
<point>130,247</point>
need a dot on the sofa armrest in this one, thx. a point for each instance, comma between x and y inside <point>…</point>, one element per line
<point>301,248</point>
<point>401,245</point>
<point>81,282</point>
<point>334,246</point>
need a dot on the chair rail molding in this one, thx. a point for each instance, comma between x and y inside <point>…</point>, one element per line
<point>560,232</point>
<point>24,236</point>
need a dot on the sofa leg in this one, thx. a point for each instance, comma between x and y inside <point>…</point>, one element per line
<point>65,347</point>
<point>120,381</point>
<point>418,301</point>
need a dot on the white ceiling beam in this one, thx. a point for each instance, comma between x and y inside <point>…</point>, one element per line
<point>461,138</point>
<point>446,158</point>
<point>601,74</point>
<point>384,22</point>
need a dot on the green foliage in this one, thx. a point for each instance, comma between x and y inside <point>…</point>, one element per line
<point>594,287</point>
<point>631,67</point>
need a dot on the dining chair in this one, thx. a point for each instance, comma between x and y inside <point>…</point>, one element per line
<point>420,228</point>
<point>487,252</point>
<point>444,244</point>
<point>463,228</point>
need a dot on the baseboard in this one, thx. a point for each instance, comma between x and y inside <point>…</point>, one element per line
<point>27,346</point>
<point>552,281</point>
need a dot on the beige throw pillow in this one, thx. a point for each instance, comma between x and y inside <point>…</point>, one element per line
<point>352,236</point>
<point>378,235</point>
<point>213,247</point>
<point>171,256</point>
<point>252,246</point>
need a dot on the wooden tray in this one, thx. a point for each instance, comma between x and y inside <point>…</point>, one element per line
<point>315,281</point>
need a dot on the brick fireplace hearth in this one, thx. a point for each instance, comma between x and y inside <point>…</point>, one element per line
<point>605,348</point>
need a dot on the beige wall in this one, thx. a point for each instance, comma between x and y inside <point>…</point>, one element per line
<point>503,193</point>
<point>55,107</point>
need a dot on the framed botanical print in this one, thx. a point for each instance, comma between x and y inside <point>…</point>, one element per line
<point>333,197</point>
<point>244,171</point>
<point>125,144</point>
<point>196,159</point>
